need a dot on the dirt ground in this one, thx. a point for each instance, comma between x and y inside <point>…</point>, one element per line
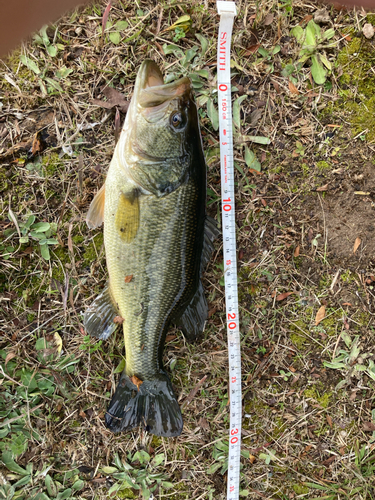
<point>305,207</point>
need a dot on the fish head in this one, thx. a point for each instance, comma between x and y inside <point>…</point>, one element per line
<point>162,128</point>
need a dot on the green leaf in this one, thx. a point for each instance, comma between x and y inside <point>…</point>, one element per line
<point>167,485</point>
<point>346,338</point>
<point>258,139</point>
<point>298,33</point>
<point>121,366</point>
<point>41,227</point>
<point>251,160</point>
<point>312,34</point>
<point>63,72</point>
<point>43,33</point>
<point>78,485</point>
<point>64,495</point>
<point>10,464</point>
<point>24,239</point>
<point>334,365</point>
<point>158,459</point>
<point>122,25</point>
<point>52,50</point>
<point>24,480</point>
<point>244,493</point>
<point>328,34</point>
<point>30,64</point>
<point>171,49</point>
<point>115,37</point>
<point>317,71</point>
<point>325,61</point>
<point>29,221</point>
<point>237,110</point>
<point>203,41</point>
<point>203,73</point>
<point>54,84</point>
<point>214,467</point>
<point>44,252</point>
<point>51,486</point>
<point>18,444</point>
<point>213,114</point>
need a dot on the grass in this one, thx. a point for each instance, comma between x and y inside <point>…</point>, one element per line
<point>302,155</point>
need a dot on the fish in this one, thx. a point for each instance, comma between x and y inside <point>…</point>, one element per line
<point>158,239</point>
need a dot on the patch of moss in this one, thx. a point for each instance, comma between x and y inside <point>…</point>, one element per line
<point>127,493</point>
<point>93,249</point>
<point>358,83</point>
<point>323,165</point>
<point>52,164</point>
<point>300,489</point>
<point>323,400</point>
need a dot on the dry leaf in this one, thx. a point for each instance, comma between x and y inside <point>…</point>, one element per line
<point>128,278</point>
<point>356,244</point>
<point>105,17</point>
<point>252,459</point>
<point>322,188</point>
<point>329,420</point>
<point>296,251</point>
<point>292,88</point>
<point>118,320</point>
<point>9,356</point>
<point>368,30</point>
<point>268,19</point>
<point>136,381</point>
<point>320,315</point>
<point>368,426</point>
<point>283,296</point>
<point>70,241</point>
<point>114,98</point>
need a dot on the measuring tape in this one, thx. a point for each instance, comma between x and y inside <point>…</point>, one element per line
<point>227,12</point>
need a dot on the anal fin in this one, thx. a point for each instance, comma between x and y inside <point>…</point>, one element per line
<point>194,317</point>
<point>99,316</point>
<point>211,232</point>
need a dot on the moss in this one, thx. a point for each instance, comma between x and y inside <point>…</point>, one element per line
<point>300,489</point>
<point>127,493</point>
<point>323,400</point>
<point>323,165</point>
<point>358,82</point>
<point>156,441</point>
<point>93,250</point>
<point>52,164</point>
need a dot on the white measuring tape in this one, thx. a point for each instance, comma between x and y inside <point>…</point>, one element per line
<point>227,12</point>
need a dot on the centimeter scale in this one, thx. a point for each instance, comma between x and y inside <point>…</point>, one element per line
<point>227,12</point>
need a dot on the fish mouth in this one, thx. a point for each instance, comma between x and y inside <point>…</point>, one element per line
<point>151,91</point>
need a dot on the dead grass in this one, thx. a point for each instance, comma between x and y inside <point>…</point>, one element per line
<point>297,221</point>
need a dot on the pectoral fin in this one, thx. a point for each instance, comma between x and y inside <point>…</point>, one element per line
<point>95,215</point>
<point>127,216</point>
<point>99,316</point>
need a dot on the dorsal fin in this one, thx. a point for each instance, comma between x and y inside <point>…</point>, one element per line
<point>95,215</point>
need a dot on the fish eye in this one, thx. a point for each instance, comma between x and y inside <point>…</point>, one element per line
<point>177,120</point>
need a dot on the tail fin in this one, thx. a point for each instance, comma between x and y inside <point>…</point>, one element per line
<point>151,404</point>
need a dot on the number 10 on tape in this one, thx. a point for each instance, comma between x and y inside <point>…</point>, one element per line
<point>227,12</point>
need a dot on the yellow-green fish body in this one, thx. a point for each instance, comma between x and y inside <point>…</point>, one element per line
<point>154,236</point>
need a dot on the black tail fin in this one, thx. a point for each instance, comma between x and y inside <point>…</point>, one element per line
<point>151,404</point>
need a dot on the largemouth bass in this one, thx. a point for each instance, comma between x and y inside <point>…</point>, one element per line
<point>157,239</point>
